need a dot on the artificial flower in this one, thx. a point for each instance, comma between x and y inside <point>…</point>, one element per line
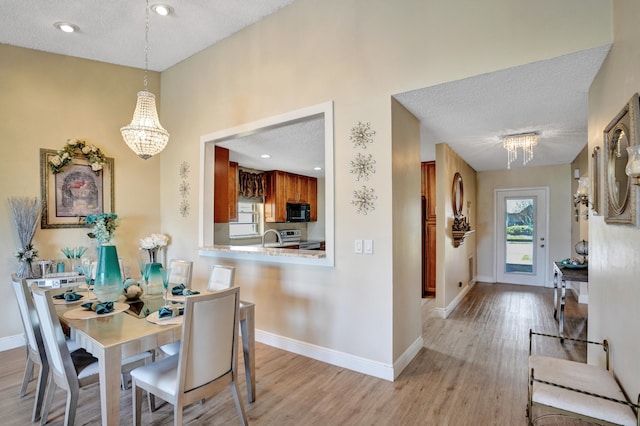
<point>104,226</point>
<point>77,148</point>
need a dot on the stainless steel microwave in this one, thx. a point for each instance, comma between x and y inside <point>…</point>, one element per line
<point>298,212</point>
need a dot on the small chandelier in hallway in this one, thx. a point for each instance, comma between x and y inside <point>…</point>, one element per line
<point>526,141</point>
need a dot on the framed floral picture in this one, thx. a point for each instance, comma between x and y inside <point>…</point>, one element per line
<point>73,188</point>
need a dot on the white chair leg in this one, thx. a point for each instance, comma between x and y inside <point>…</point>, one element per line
<point>239,407</point>
<point>136,403</point>
<point>72,405</point>
<point>177,415</point>
<point>41,387</point>
<point>48,399</point>
<point>28,374</point>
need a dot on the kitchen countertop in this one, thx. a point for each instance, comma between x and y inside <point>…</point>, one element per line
<point>270,249</point>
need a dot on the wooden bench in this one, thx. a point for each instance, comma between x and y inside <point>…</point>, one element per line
<point>578,390</point>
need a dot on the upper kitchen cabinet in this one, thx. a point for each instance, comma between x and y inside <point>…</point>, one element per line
<point>233,191</point>
<point>283,188</point>
<point>221,186</point>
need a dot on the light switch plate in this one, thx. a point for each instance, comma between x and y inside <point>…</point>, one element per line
<point>357,247</point>
<point>368,246</point>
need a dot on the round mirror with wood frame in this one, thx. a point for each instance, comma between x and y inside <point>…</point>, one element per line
<point>457,195</point>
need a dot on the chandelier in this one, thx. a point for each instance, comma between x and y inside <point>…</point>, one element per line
<point>526,141</point>
<point>145,135</point>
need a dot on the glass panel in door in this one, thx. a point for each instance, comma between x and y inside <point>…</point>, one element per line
<point>521,222</point>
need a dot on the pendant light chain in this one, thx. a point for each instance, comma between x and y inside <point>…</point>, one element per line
<point>146,45</point>
<point>145,135</point>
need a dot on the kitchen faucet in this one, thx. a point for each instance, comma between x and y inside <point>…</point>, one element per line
<point>275,232</point>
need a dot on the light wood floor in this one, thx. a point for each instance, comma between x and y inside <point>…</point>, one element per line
<point>471,371</point>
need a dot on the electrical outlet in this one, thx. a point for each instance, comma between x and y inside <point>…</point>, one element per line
<point>357,247</point>
<point>368,246</point>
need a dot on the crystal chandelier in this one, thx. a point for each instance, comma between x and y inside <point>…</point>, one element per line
<point>526,141</point>
<point>145,135</point>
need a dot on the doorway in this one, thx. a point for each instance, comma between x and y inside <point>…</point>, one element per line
<point>521,236</point>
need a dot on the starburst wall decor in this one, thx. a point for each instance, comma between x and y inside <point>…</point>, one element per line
<point>184,189</point>
<point>361,135</point>
<point>364,200</point>
<point>363,166</point>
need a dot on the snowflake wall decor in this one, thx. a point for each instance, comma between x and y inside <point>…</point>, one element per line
<point>184,208</point>
<point>184,170</point>
<point>364,200</point>
<point>363,166</point>
<point>361,135</point>
<point>184,188</point>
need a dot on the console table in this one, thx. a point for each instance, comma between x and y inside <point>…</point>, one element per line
<point>562,274</point>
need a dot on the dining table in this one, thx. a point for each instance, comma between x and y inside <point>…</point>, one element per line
<point>112,337</point>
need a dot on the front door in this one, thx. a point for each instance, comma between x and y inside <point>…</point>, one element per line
<point>521,236</point>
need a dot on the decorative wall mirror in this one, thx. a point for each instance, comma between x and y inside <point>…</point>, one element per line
<point>457,195</point>
<point>618,135</point>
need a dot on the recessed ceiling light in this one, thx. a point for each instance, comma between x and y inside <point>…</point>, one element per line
<point>162,9</point>
<point>66,27</point>
<point>265,156</point>
<point>317,168</point>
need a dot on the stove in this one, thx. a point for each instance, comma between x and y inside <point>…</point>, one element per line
<point>294,236</point>
<point>290,235</point>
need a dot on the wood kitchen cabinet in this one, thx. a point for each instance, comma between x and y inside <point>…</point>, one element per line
<point>233,191</point>
<point>221,186</point>
<point>283,188</point>
<point>428,229</point>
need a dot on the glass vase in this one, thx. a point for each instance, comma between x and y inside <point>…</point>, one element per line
<point>25,270</point>
<point>108,283</point>
<point>155,285</point>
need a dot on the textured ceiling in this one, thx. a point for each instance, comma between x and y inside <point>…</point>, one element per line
<point>549,97</point>
<point>113,30</point>
<point>294,147</point>
<point>470,115</point>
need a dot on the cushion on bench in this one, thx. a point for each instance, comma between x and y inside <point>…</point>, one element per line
<point>581,376</point>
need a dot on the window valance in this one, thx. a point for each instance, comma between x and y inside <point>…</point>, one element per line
<point>252,185</point>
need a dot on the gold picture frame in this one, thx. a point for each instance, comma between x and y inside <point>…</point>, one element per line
<point>595,180</point>
<point>77,191</point>
<point>620,199</point>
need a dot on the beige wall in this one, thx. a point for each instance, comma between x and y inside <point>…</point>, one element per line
<point>580,227</point>
<point>356,53</point>
<point>407,315</point>
<point>614,264</point>
<point>557,179</point>
<point>47,99</point>
<point>452,262</point>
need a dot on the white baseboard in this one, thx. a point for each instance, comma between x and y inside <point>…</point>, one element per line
<point>12,342</point>
<point>446,311</point>
<point>341,359</point>
<point>485,279</point>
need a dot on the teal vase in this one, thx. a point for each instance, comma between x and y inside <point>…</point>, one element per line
<point>108,284</point>
<point>155,279</point>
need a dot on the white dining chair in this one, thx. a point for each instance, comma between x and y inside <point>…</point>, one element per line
<point>220,278</point>
<point>61,364</point>
<point>181,271</point>
<point>206,362</point>
<point>36,354</point>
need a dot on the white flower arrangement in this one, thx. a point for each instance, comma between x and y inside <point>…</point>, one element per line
<point>81,148</point>
<point>154,241</point>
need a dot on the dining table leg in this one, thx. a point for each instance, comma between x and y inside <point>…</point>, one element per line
<point>109,360</point>
<point>247,329</point>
